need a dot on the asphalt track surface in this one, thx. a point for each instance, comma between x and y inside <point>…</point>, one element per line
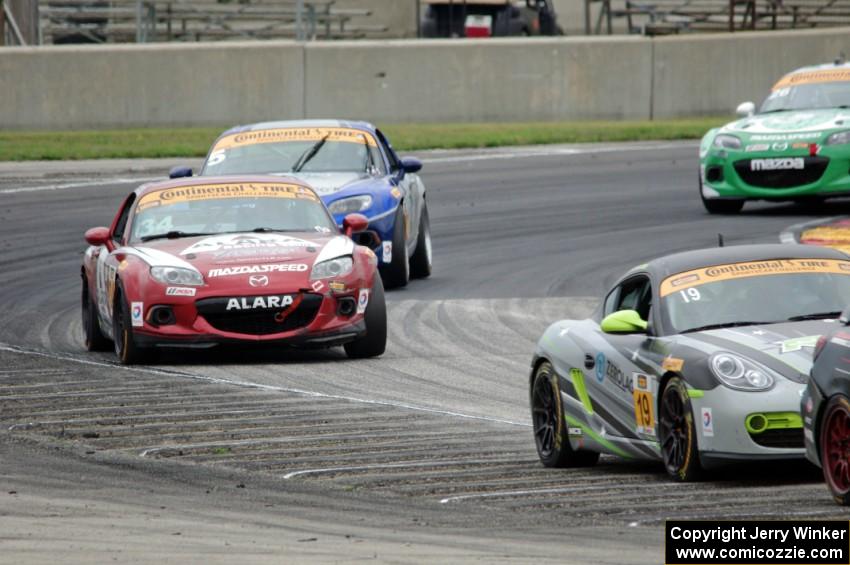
<point>423,454</point>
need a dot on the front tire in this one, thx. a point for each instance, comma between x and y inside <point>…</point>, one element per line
<point>397,273</point>
<point>374,342</point>
<point>93,338</point>
<point>835,448</point>
<point>677,433</point>
<point>126,350</point>
<point>550,432</point>
<point>420,263</point>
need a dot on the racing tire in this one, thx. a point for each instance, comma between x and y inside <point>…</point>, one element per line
<point>550,431</point>
<point>374,342</point>
<point>420,263</point>
<point>126,349</point>
<point>725,207</point>
<point>93,338</point>
<point>677,433</point>
<point>397,273</point>
<point>835,448</point>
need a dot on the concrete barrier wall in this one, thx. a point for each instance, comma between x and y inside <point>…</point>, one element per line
<point>537,79</point>
<point>439,80</point>
<point>712,74</point>
<point>149,85</point>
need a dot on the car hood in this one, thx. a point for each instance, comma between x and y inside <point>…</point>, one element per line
<point>800,125</point>
<point>786,348</point>
<point>230,255</point>
<point>330,183</point>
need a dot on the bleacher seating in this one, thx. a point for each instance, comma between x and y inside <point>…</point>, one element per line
<point>118,21</point>
<point>656,17</point>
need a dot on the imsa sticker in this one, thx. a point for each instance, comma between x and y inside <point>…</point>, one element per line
<point>707,422</point>
<point>362,300</point>
<point>137,310</point>
<point>387,251</point>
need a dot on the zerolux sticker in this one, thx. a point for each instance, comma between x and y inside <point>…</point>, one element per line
<point>388,251</point>
<point>732,271</point>
<point>707,422</point>
<point>179,291</point>
<point>137,310</point>
<point>362,300</point>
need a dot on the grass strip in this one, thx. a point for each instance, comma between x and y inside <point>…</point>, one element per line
<point>194,142</point>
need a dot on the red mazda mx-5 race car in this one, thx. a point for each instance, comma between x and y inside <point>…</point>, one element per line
<point>198,262</point>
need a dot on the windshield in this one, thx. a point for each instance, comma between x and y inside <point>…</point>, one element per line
<point>810,90</point>
<point>758,291</point>
<point>229,208</point>
<point>289,150</point>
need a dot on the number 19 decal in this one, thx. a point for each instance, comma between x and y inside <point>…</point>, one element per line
<point>644,414</point>
<point>690,295</point>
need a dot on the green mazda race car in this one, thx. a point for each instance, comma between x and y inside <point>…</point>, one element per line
<point>796,147</point>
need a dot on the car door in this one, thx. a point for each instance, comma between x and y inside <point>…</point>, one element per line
<point>411,189</point>
<point>623,384</point>
<point>107,263</point>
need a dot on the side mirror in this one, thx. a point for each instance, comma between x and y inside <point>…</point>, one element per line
<point>354,223</point>
<point>179,172</point>
<point>745,109</point>
<point>411,165</point>
<point>97,236</point>
<point>623,322</point>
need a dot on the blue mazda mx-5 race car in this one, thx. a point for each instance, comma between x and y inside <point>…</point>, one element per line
<point>353,168</point>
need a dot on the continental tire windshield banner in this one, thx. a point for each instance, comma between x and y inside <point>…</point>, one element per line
<point>800,542</point>
<point>219,191</point>
<point>715,273</point>
<point>811,77</point>
<point>282,135</point>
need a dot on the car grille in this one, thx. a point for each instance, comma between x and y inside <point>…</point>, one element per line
<point>789,437</point>
<point>812,171</point>
<point>259,322</point>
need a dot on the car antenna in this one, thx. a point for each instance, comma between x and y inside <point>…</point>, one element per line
<point>720,240</point>
<point>841,58</point>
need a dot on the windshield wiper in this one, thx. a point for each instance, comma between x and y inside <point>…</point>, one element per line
<point>818,316</point>
<point>724,325</point>
<point>309,154</point>
<point>174,234</point>
<point>274,230</point>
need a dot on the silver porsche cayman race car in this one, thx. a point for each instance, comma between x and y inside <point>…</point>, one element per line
<point>696,358</point>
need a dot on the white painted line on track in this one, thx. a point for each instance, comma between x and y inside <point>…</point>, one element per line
<point>258,386</point>
<point>484,155</point>
<point>563,490</point>
<point>449,463</point>
<point>723,515</point>
<point>550,152</point>
<point>63,186</point>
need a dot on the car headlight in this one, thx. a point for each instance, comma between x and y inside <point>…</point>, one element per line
<point>177,275</point>
<point>338,267</point>
<point>351,205</point>
<point>739,373</point>
<point>839,138</point>
<point>725,141</point>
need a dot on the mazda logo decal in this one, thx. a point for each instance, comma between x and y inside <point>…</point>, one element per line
<point>258,280</point>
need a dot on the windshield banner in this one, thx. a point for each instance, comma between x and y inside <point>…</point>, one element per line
<point>294,134</point>
<point>812,77</point>
<point>219,191</point>
<point>716,273</point>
